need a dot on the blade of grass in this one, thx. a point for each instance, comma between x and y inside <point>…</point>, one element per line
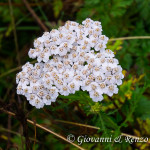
<point>77,124</point>
<point>13,70</point>
<point>15,33</point>
<point>23,18</point>
<point>41,11</point>
<point>38,20</point>
<point>130,38</point>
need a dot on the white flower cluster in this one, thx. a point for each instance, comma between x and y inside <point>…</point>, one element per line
<point>70,58</point>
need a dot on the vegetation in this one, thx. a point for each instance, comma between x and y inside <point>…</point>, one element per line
<point>127,113</point>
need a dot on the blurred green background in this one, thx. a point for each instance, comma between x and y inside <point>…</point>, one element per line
<point>127,112</point>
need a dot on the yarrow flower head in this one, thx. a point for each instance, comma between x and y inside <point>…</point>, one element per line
<point>71,58</point>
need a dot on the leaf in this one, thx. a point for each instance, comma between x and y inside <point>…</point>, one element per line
<point>115,46</point>
<point>143,108</point>
<point>109,122</point>
<point>57,7</point>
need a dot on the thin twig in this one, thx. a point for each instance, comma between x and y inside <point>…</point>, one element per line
<point>44,128</point>
<point>35,15</point>
<point>34,135</point>
<point>13,70</point>
<point>130,38</point>
<point>14,31</point>
<point>68,122</point>
<point>78,124</point>
<point>97,128</point>
<point>22,140</point>
<point>10,71</point>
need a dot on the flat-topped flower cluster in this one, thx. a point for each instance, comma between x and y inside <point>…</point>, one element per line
<point>69,59</point>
